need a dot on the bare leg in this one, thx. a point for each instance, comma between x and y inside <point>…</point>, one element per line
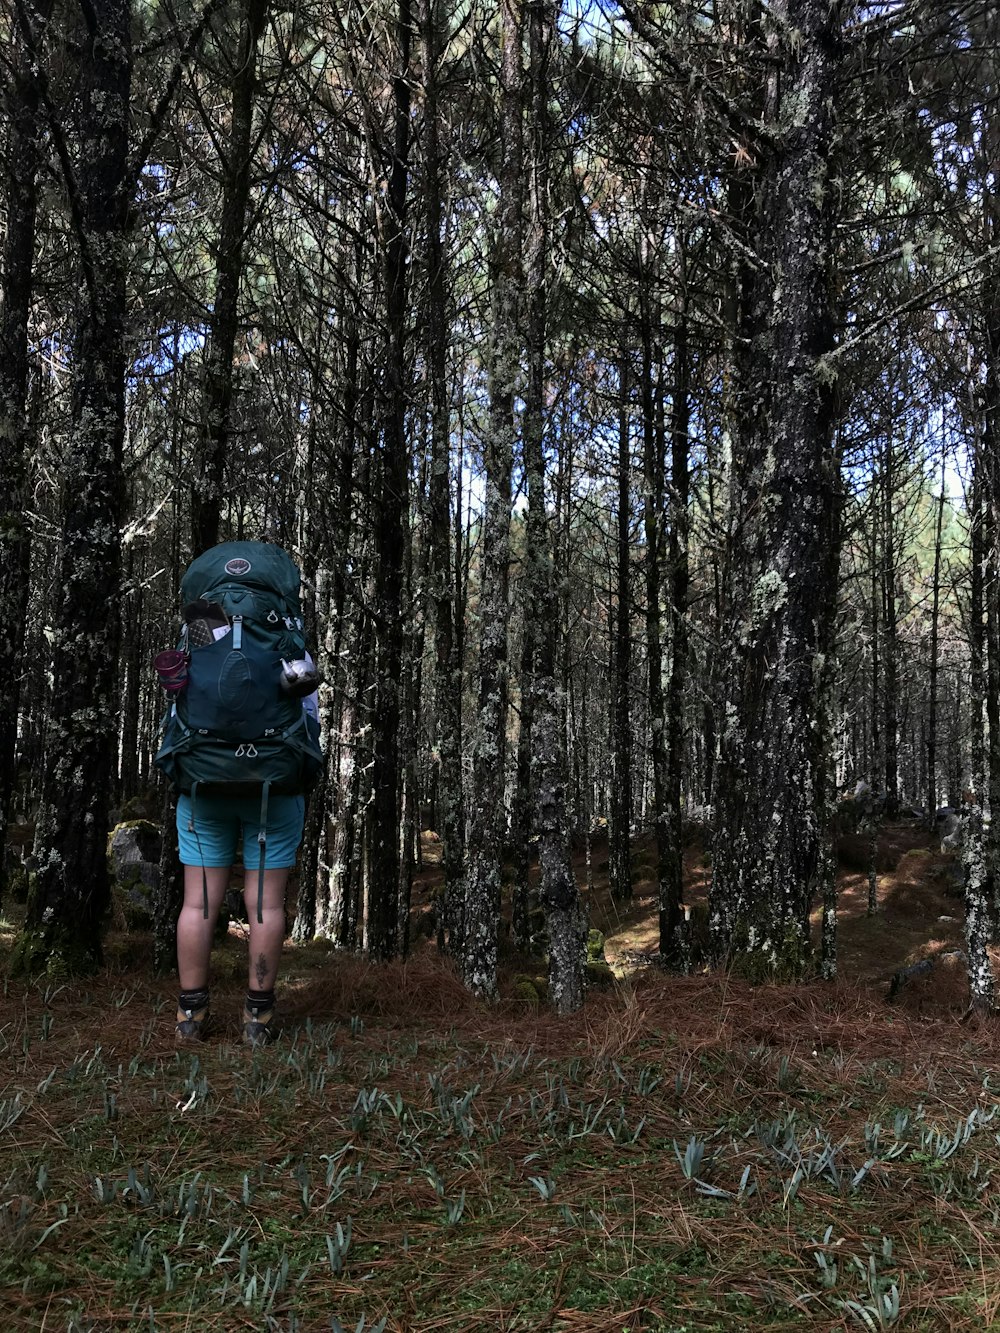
<point>266,937</point>
<point>194,932</point>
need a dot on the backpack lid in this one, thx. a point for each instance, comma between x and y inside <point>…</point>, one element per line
<point>259,565</point>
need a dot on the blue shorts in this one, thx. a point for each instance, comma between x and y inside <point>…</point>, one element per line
<point>220,822</point>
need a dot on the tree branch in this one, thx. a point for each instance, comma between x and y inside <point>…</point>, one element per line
<point>159,112</point>
<point>738,120</point>
<point>827,363</point>
<point>62,150</point>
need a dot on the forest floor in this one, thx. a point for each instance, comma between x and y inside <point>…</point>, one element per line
<point>687,1153</point>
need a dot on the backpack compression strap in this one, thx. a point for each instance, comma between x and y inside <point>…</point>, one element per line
<point>192,829</point>
<point>262,839</point>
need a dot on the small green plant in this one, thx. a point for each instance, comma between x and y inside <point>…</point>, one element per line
<point>11,1110</point>
<point>691,1159</point>
<point>649,1079</point>
<point>338,1173</point>
<point>338,1245</point>
<point>790,1187</point>
<point>362,1325</point>
<point>881,1309</point>
<point>365,1105</point>
<point>829,1269</point>
<point>453,1209</point>
<point>545,1186</point>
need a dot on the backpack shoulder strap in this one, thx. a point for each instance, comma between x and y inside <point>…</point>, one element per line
<point>262,840</point>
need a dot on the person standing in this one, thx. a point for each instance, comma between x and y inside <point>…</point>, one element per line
<point>241,745</point>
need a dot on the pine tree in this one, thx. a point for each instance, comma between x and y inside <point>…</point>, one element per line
<point>65,915</point>
<point>23,105</point>
<point>771,783</point>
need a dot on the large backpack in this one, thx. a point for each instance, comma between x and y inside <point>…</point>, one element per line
<point>233,730</point>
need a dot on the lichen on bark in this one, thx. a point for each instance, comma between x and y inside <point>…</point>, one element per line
<point>774,763</point>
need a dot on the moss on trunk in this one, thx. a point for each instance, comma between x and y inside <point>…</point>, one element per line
<point>56,951</point>
<point>788,958</point>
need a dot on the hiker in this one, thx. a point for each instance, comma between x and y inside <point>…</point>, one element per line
<point>241,746</point>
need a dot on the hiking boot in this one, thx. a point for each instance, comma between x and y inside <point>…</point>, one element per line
<point>260,1025</point>
<point>192,1024</point>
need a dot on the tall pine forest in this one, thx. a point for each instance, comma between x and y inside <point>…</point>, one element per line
<point>625,380</point>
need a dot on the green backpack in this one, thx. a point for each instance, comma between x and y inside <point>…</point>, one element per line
<point>232,729</point>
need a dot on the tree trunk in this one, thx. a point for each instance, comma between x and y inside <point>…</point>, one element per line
<point>447,666</point>
<point>990,444</point>
<point>409,817</point>
<point>486,815</point>
<point>620,809</point>
<point>339,888</point>
<point>134,670</point>
<point>314,831</point>
<point>169,895</point>
<point>826,769</point>
<point>877,768</point>
<point>314,913</point>
<point>207,496</point>
<point>557,889</point>
<point>336,908</point>
<point>390,525</point>
<point>672,884</point>
<point>979,887</point>
<point>772,783</point>
<point>522,820</point>
<point>20,197</point>
<point>932,675</point>
<point>653,463</point>
<point>65,914</point>
<point>890,634</point>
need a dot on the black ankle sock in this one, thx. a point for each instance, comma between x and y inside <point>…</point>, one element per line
<point>193,999</point>
<point>261,999</point>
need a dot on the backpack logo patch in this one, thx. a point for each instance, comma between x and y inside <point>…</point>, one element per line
<point>238,567</point>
